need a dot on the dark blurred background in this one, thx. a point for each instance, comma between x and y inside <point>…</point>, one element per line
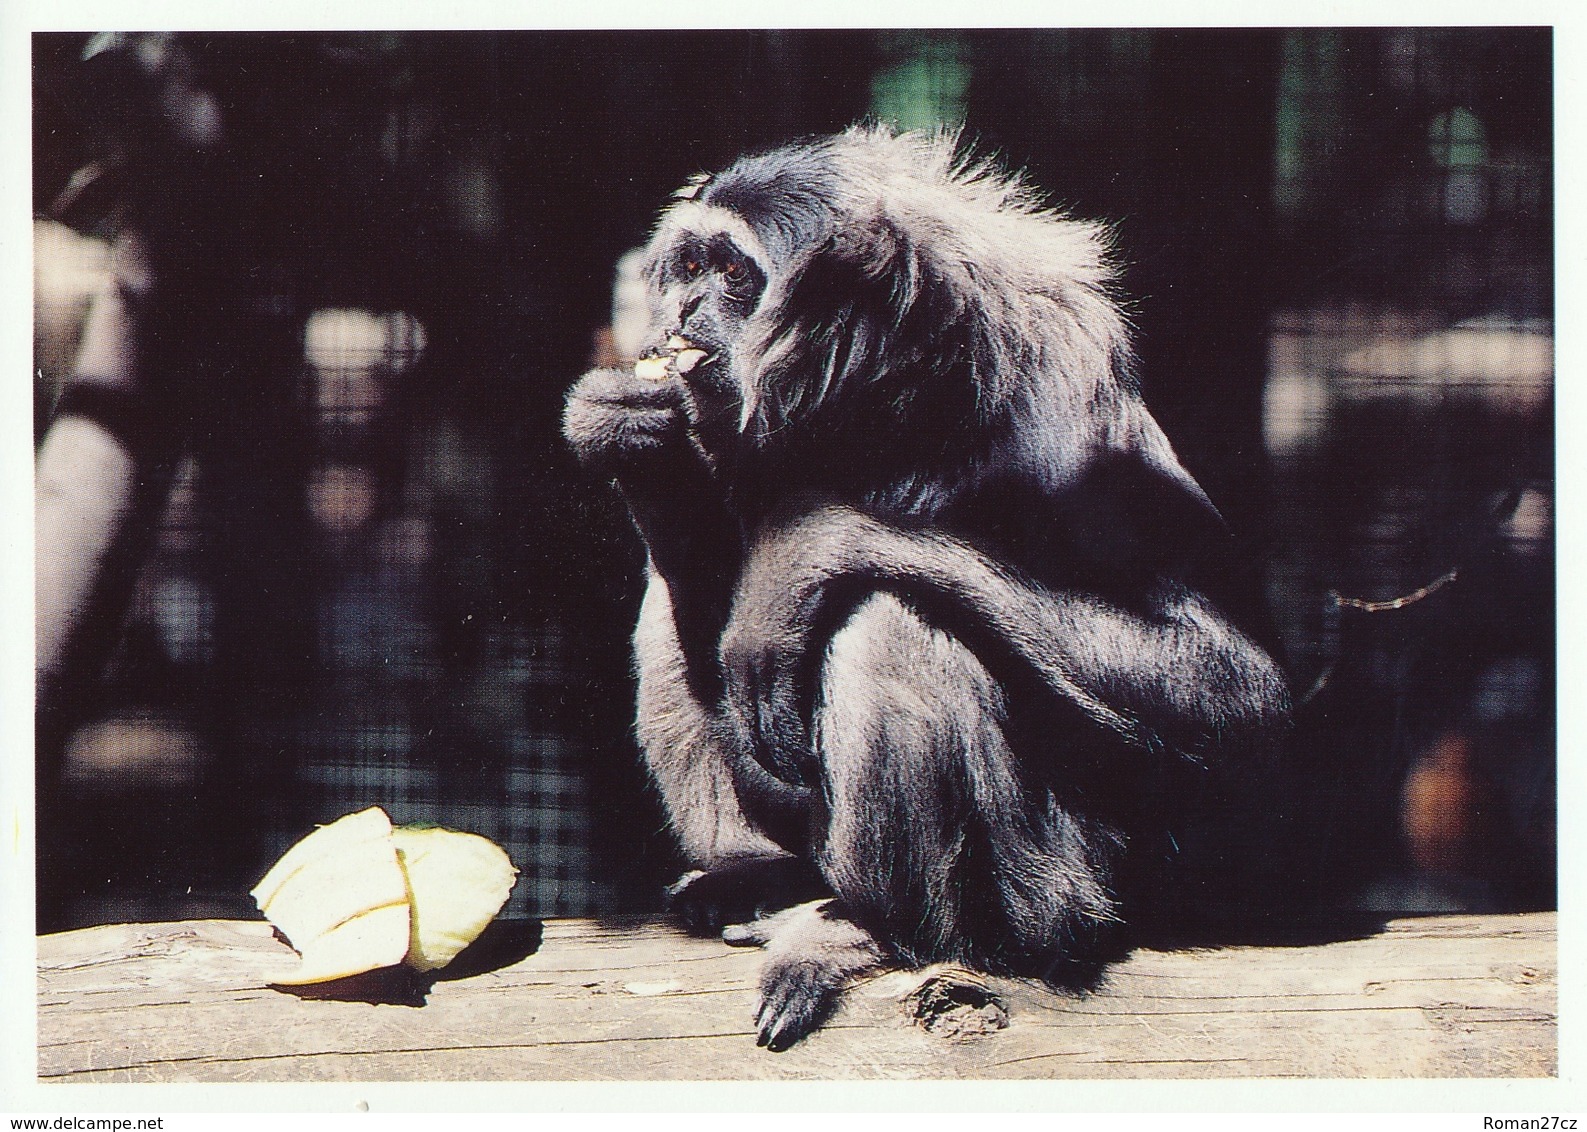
<point>360,568</point>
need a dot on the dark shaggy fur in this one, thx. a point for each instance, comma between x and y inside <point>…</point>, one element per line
<point>931,624</point>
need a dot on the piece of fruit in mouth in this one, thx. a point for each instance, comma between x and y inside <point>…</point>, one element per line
<point>675,359</point>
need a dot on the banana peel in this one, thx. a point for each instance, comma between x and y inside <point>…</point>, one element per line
<point>357,895</point>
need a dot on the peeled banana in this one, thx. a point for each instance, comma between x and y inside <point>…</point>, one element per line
<point>357,895</point>
<point>457,882</point>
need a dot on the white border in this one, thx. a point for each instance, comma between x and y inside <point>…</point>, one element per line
<point>932,1102</point>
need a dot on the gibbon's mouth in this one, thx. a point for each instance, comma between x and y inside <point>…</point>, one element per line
<point>677,358</point>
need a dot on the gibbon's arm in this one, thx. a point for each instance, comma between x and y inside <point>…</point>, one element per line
<point>638,431</point>
<point>1179,677</point>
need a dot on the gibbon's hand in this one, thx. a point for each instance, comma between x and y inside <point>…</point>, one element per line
<point>615,420</point>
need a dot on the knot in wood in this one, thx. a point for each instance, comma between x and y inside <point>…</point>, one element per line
<point>957,1004</point>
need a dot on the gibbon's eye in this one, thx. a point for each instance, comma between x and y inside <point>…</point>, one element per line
<point>741,279</point>
<point>692,268</point>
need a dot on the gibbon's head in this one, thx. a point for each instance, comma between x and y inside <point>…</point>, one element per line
<point>880,280</point>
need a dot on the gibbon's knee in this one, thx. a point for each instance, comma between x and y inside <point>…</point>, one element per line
<point>936,838</point>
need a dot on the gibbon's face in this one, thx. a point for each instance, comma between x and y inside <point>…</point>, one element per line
<point>707,279</point>
<point>724,265</point>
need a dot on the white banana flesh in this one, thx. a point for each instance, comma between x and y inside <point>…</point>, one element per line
<point>357,895</point>
<point>457,882</point>
<point>677,358</point>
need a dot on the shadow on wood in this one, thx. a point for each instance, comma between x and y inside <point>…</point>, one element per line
<point>501,944</point>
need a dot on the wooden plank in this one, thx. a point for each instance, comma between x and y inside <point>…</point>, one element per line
<point>1451,996</point>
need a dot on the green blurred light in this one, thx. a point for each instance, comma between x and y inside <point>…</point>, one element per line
<point>924,90</point>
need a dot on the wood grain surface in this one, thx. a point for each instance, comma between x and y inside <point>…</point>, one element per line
<point>577,1000</point>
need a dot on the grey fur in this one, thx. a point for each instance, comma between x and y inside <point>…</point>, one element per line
<point>928,618</point>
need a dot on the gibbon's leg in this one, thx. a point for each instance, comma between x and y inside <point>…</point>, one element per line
<point>738,871</point>
<point>683,748</point>
<point>935,843</point>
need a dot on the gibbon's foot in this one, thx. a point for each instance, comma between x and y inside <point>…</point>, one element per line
<point>796,997</point>
<point>812,952</point>
<point>706,901</point>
